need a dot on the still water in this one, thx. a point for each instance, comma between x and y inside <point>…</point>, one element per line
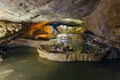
<point>26,65</point>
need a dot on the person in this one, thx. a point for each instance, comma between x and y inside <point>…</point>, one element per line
<point>55,47</point>
<point>55,28</point>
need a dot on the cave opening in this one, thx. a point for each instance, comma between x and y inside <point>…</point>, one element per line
<point>49,30</point>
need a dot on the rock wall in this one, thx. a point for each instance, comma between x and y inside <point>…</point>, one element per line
<point>11,30</point>
<point>7,28</point>
<point>65,57</point>
<point>104,21</point>
<point>69,57</point>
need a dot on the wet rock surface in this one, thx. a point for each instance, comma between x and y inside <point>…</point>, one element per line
<point>69,56</point>
<point>87,53</point>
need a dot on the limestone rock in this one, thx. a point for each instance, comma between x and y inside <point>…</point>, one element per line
<point>104,21</point>
<point>39,10</point>
<point>7,28</point>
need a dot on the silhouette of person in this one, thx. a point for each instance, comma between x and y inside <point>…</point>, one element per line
<point>54,26</point>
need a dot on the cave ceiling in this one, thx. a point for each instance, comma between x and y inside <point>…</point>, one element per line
<point>39,10</point>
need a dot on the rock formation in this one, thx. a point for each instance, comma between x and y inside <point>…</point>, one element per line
<point>39,10</point>
<point>10,30</point>
<point>104,22</point>
<point>100,16</point>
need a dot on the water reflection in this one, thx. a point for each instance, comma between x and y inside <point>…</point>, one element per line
<point>5,71</point>
<point>26,65</point>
